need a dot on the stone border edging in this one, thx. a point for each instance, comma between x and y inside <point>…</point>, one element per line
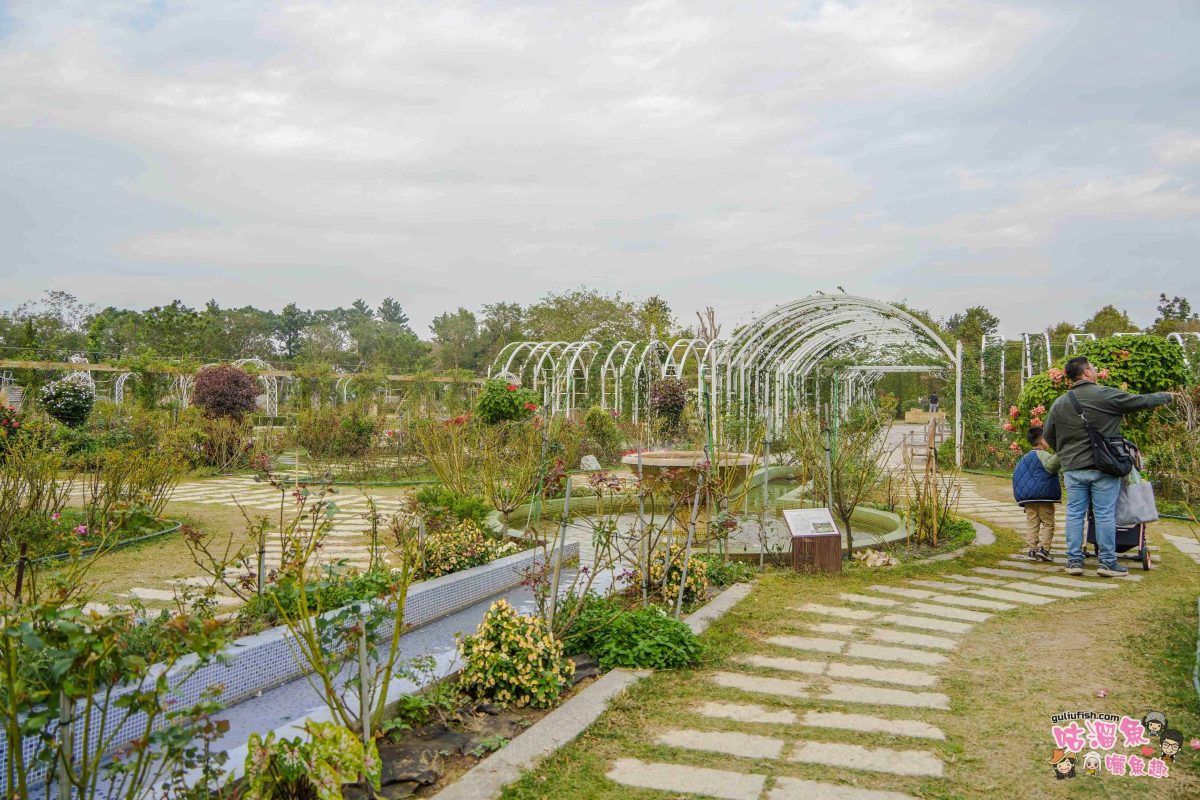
<point>983,536</point>
<point>487,779</point>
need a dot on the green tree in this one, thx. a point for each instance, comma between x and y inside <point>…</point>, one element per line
<point>1109,320</point>
<point>1174,315</point>
<point>969,326</point>
<point>456,340</point>
<point>390,311</point>
<point>290,328</point>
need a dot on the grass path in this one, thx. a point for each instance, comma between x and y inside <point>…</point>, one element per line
<point>929,680</point>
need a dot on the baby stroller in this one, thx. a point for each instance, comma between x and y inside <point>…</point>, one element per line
<point>1129,538</point>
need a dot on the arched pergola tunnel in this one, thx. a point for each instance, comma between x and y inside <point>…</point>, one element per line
<point>824,352</point>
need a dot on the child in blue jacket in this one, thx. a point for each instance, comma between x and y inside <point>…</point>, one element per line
<point>1036,488</point>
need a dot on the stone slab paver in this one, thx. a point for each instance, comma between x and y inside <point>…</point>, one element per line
<point>810,643</point>
<point>871,695</point>
<point>1005,573</point>
<point>924,623</point>
<point>868,600</point>
<point>902,591</point>
<point>950,613</point>
<point>677,778</point>
<point>889,636</point>
<point>1048,591</point>
<point>1190,547</point>
<point>902,654</point>
<point>971,602</point>
<point>746,712</point>
<point>784,664</point>
<point>760,685</point>
<point>837,611</point>
<point>977,581</point>
<point>797,789</point>
<point>1014,597</point>
<point>945,586</point>
<point>870,672</point>
<point>874,759</point>
<point>836,628</point>
<point>865,722</point>
<point>730,743</point>
<point>1077,583</point>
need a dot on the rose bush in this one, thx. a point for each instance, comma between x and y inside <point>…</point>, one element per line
<point>69,400</point>
<point>1136,364</point>
<point>503,401</point>
<point>224,390</point>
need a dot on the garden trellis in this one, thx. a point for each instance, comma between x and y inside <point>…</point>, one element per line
<point>823,351</point>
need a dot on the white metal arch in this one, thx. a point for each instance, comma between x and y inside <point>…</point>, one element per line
<point>1073,340</point>
<point>269,383</point>
<point>119,386</point>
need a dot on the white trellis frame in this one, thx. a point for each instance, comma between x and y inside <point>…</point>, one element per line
<point>1178,338</point>
<point>1073,340</point>
<point>770,366</point>
<point>119,386</point>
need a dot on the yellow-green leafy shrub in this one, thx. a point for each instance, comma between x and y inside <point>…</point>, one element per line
<point>460,547</point>
<point>514,660</point>
<point>697,577</point>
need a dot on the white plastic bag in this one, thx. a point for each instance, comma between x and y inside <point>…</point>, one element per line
<point>1135,504</point>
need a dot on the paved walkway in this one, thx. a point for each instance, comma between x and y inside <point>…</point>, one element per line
<point>348,539</point>
<point>868,661</point>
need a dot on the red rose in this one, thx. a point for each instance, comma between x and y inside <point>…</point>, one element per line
<point>531,406</point>
<point>512,387</point>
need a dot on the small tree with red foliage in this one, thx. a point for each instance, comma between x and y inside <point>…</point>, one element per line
<point>225,391</point>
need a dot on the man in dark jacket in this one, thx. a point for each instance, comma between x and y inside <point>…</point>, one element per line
<point>1104,407</point>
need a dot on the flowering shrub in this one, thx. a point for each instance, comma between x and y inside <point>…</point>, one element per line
<point>513,660</point>
<point>697,578</point>
<point>69,400</point>
<point>460,547</point>
<point>1136,364</point>
<point>10,426</point>
<point>224,390</point>
<point>501,401</point>
<point>317,768</point>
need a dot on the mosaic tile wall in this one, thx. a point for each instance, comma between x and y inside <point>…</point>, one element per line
<point>263,661</point>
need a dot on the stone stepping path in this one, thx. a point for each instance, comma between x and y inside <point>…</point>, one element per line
<point>786,705</point>
<point>346,544</point>
<point>1188,546</point>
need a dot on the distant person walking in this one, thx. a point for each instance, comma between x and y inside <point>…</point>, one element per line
<point>933,403</point>
<point>1104,407</point>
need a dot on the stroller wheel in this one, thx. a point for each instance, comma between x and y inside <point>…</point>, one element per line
<point>1145,554</point>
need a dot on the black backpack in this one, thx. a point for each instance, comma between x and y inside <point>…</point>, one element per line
<point>1112,455</point>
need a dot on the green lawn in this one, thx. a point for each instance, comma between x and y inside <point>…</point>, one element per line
<point>1009,675</point>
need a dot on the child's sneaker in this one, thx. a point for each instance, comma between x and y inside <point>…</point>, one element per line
<point>1115,571</point>
<point>1032,555</point>
<point>1044,555</point>
<point>1075,568</point>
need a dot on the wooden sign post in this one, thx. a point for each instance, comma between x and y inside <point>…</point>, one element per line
<point>816,540</point>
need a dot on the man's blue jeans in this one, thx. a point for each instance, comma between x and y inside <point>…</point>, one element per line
<point>1092,487</point>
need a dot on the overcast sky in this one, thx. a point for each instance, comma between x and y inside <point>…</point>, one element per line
<point>1041,158</point>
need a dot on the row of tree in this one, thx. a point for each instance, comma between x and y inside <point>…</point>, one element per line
<point>380,337</point>
<point>59,325</point>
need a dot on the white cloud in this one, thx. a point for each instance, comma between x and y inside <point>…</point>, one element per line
<point>466,152</point>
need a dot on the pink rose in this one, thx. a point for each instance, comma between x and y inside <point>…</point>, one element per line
<point>1038,410</point>
<point>1014,412</point>
<point>1036,422</point>
<point>82,530</point>
<point>1014,447</point>
<point>1102,374</point>
<point>1008,426</point>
